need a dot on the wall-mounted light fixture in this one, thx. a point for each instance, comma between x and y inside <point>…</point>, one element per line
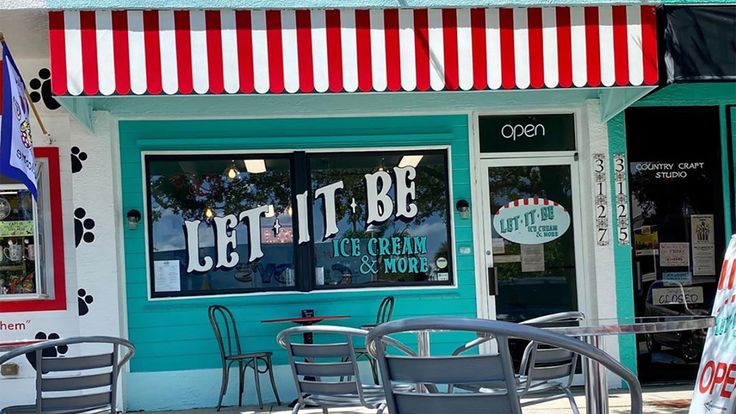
<point>134,216</point>
<point>463,208</point>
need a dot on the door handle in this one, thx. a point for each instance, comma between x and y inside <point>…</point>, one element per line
<point>492,282</point>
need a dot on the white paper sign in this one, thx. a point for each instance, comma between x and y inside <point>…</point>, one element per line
<point>674,254</point>
<point>677,295</point>
<point>715,388</point>
<point>704,245</point>
<point>532,258</point>
<point>167,276</point>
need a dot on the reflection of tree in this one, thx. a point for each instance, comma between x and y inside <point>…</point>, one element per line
<point>189,195</point>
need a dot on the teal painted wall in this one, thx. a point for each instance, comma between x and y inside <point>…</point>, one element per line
<point>176,335</point>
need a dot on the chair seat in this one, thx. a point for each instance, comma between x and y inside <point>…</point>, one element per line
<point>372,394</point>
<point>31,409</point>
<point>249,355</point>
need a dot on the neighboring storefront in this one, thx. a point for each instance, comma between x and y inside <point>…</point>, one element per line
<point>279,160</point>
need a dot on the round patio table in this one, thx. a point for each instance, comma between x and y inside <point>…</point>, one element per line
<point>591,331</point>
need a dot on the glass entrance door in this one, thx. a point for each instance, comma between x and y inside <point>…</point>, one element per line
<point>531,234</point>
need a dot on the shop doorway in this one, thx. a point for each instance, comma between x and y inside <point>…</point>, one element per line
<point>531,236</point>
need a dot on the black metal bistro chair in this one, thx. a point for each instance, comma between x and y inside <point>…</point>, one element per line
<point>231,353</point>
<point>385,312</point>
<point>85,383</point>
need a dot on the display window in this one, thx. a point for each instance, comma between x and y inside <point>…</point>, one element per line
<point>237,223</point>
<point>30,239</point>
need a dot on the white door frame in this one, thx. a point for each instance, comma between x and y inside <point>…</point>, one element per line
<point>568,158</point>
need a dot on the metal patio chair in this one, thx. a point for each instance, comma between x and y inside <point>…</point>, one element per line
<point>385,312</point>
<point>326,372</point>
<point>436,372</point>
<point>231,353</point>
<point>543,369</point>
<point>84,384</point>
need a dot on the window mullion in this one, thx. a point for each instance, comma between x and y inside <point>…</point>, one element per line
<point>304,252</point>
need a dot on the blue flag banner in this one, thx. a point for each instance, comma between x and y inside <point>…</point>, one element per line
<point>16,145</point>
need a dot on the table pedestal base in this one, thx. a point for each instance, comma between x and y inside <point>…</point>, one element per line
<point>596,391</point>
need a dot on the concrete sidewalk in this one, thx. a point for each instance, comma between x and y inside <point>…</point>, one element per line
<point>658,400</point>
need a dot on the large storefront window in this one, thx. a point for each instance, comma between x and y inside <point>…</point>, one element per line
<point>677,222</point>
<point>223,224</point>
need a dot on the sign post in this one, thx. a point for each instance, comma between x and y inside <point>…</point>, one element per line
<point>715,389</point>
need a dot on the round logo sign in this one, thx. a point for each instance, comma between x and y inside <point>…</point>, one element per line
<point>531,221</point>
<point>441,262</point>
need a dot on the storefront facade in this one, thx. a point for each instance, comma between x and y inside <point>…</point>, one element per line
<point>285,160</point>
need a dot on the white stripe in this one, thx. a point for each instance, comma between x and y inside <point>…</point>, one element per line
<point>408,52</point>
<point>319,51</point>
<point>260,51</point>
<point>493,49</point>
<point>167,39</point>
<point>636,53</point>
<point>230,67</point>
<point>73,46</point>
<point>436,50</point>
<point>137,50</point>
<point>378,51</point>
<point>348,36</point>
<point>105,55</point>
<point>464,50</point>
<point>549,46</point>
<point>289,50</point>
<point>605,30</point>
<point>521,48</point>
<point>577,32</point>
<point>198,36</point>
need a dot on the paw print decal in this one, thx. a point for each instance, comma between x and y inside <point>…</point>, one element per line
<point>42,90</point>
<point>83,227</point>
<point>78,156</point>
<point>48,352</point>
<point>83,301</point>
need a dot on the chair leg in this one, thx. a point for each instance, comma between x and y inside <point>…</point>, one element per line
<point>241,382</point>
<point>573,404</point>
<point>258,382</point>
<point>324,411</point>
<point>223,387</point>
<point>273,382</point>
<point>297,407</point>
<point>374,369</point>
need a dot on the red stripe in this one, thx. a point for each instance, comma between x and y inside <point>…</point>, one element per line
<point>89,52</point>
<point>478,33</point>
<point>564,47</point>
<point>304,50</point>
<point>536,48</point>
<point>57,52</point>
<point>620,45</point>
<point>506,24</point>
<point>732,278</point>
<point>245,50</point>
<point>334,50</point>
<point>121,52</point>
<point>393,50</point>
<point>592,46</point>
<point>449,38</point>
<point>421,48</point>
<point>183,51</point>
<point>153,51</point>
<point>214,51</point>
<point>649,44</point>
<point>722,279</point>
<point>275,52</point>
<point>363,44</point>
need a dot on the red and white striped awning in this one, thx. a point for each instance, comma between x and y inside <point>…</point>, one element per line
<point>347,50</point>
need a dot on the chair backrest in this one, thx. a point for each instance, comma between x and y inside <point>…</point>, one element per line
<point>471,369</point>
<point>78,383</point>
<point>385,310</point>
<point>326,368</point>
<point>542,362</point>
<point>226,330</point>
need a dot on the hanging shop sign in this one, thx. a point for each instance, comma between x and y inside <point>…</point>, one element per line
<point>715,388</point>
<point>531,221</point>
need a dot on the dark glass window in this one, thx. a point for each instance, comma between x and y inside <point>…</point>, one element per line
<point>231,223</point>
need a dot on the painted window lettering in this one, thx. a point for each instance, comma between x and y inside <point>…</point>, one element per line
<point>513,132</point>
